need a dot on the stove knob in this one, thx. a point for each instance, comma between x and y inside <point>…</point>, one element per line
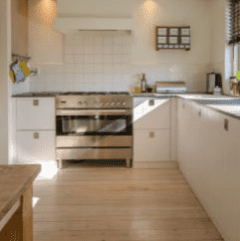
<point>80,103</point>
<point>85,103</point>
<point>118,103</point>
<point>101,104</point>
<point>113,103</point>
<point>124,103</point>
<point>107,103</point>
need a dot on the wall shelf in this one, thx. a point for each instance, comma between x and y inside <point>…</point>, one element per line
<point>172,37</point>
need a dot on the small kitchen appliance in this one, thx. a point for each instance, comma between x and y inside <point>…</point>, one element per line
<point>94,126</point>
<point>213,80</point>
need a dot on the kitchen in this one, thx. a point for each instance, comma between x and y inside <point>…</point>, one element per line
<point>113,61</point>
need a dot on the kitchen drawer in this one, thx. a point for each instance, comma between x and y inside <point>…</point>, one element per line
<point>35,113</point>
<point>34,147</point>
<point>151,145</point>
<point>151,113</point>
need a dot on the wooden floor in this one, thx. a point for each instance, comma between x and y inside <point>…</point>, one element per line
<point>117,203</point>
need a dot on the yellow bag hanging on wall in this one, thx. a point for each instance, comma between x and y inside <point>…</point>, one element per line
<point>24,68</point>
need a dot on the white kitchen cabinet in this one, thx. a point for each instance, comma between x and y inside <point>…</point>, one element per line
<point>151,145</point>
<point>151,129</point>
<point>151,113</point>
<point>34,126</point>
<point>36,113</point>
<point>36,147</point>
<point>209,158</point>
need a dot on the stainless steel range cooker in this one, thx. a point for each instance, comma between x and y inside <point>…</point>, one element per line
<point>94,126</point>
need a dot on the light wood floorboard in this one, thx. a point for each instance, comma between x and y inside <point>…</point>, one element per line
<point>119,204</point>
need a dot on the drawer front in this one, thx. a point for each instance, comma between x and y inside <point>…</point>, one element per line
<point>151,145</point>
<point>34,147</point>
<point>36,113</point>
<point>152,114</point>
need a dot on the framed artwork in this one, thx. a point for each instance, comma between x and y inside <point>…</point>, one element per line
<point>172,37</point>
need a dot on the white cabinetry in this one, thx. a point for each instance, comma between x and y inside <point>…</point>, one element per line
<point>36,114</point>
<point>151,127</point>
<point>35,128</point>
<point>36,146</point>
<point>208,156</point>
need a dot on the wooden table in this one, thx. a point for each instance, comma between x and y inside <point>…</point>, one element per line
<point>16,192</point>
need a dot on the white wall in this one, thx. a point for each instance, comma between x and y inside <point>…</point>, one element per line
<point>5,48</point>
<point>93,8</point>
<point>83,71</point>
<point>45,44</point>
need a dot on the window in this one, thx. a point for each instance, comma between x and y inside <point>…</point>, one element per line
<point>234,10</point>
<point>233,33</point>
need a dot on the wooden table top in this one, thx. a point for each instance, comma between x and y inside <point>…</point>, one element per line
<point>14,181</point>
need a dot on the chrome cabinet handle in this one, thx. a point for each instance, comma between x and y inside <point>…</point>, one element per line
<point>36,135</point>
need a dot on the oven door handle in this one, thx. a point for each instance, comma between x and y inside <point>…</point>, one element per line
<point>71,112</point>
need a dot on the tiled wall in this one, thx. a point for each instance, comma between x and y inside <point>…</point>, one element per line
<point>93,61</point>
<point>102,61</point>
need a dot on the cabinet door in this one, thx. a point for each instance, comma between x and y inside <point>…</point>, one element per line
<point>151,145</point>
<point>36,113</point>
<point>36,147</point>
<point>151,113</point>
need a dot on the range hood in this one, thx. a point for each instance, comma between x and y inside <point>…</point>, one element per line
<point>72,24</point>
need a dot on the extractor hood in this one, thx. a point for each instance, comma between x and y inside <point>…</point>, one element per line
<point>72,24</point>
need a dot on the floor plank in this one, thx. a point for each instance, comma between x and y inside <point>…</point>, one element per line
<point>119,204</point>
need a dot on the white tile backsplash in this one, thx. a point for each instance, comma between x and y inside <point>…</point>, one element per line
<point>102,61</point>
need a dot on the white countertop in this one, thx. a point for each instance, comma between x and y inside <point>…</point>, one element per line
<point>229,105</point>
<point>222,103</point>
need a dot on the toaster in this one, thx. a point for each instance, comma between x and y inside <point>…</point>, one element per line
<point>170,86</point>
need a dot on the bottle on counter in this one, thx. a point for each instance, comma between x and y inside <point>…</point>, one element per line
<point>144,83</point>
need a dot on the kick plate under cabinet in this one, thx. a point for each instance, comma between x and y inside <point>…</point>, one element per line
<point>93,141</point>
<point>94,154</point>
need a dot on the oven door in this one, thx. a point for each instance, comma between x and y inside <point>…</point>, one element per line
<point>94,123</point>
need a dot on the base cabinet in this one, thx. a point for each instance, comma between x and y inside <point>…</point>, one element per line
<point>151,145</point>
<point>151,129</point>
<point>36,146</point>
<point>208,156</point>
<point>34,133</point>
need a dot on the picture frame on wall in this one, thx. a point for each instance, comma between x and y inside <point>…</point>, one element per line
<point>172,37</point>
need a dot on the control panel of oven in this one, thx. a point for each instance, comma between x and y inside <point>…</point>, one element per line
<point>99,102</point>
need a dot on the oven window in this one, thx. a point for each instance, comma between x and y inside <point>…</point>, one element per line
<point>94,125</point>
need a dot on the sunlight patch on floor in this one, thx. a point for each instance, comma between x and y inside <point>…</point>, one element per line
<point>49,170</point>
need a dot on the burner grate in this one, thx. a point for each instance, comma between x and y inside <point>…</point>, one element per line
<point>95,93</point>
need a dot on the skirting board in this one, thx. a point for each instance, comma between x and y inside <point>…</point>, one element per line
<point>155,164</point>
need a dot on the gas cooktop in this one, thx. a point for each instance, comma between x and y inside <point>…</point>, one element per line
<point>94,93</point>
<point>47,94</point>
